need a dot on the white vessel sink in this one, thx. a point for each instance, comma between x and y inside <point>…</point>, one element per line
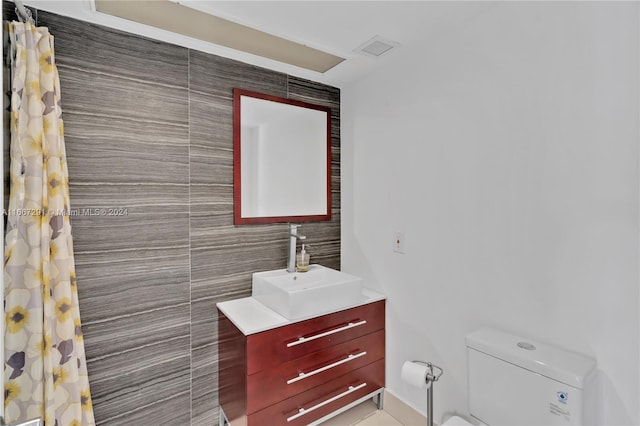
<point>297,295</point>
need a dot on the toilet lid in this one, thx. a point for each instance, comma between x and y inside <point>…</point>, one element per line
<point>456,421</point>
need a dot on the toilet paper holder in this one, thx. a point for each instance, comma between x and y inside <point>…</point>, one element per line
<point>431,378</point>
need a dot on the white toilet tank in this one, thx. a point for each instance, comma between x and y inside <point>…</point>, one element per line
<point>516,381</point>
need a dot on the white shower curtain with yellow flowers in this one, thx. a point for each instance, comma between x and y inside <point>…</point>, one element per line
<point>45,371</point>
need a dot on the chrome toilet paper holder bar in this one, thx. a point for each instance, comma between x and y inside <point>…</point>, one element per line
<point>430,379</point>
<point>430,376</point>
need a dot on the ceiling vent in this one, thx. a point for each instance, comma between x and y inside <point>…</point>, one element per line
<point>376,47</point>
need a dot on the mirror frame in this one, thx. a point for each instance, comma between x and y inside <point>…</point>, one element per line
<point>237,184</point>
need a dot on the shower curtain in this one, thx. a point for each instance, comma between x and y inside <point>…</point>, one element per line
<point>45,371</point>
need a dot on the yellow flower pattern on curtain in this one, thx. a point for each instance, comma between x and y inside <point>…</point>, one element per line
<point>45,371</point>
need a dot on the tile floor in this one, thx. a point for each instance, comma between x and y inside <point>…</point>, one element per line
<point>365,414</point>
<point>379,418</point>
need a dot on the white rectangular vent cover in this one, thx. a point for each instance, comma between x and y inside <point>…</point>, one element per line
<point>376,47</point>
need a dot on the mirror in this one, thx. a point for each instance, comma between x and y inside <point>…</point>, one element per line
<point>281,160</point>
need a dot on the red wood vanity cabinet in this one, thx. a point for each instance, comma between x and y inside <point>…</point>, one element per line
<point>298,373</point>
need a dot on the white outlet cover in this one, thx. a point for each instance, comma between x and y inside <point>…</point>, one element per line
<point>398,242</point>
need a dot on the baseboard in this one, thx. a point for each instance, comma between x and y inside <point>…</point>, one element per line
<point>401,411</point>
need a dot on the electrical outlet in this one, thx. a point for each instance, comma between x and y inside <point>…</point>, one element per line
<point>398,242</point>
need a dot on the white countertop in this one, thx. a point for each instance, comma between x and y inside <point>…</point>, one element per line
<point>251,316</point>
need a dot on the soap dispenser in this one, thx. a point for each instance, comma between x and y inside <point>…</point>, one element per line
<point>302,260</point>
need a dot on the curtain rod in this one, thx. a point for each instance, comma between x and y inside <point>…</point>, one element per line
<point>23,12</point>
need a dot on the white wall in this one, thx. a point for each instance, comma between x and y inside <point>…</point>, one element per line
<point>506,149</point>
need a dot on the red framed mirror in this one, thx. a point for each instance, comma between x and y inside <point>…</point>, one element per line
<point>281,159</point>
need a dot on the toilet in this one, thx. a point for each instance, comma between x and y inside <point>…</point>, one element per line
<point>516,381</point>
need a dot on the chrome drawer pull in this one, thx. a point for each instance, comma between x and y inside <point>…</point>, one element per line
<point>303,411</point>
<point>326,333</point>
<point>301,376</point>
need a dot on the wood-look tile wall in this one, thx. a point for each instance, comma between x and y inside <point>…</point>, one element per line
<point>148,128</point>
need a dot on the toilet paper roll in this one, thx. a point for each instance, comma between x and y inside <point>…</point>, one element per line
<point>415,374</point>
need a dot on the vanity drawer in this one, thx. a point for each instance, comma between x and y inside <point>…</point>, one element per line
<point>274,347</point>
<point>296,376</point>
<point>322,400</point>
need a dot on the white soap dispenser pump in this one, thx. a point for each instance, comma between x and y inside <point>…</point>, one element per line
<point>302,260</point>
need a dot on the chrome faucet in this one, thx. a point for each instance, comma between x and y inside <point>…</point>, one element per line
<point>293,241</point>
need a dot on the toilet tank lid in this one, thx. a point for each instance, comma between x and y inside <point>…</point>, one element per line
<point>568,367</point>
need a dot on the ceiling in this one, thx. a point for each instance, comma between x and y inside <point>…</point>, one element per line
<point>336,27</point>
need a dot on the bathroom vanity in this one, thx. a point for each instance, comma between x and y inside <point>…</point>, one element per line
<point>277,371</point>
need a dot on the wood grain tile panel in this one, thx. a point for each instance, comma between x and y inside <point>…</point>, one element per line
<point>205,380</point>
<point>205,398</point>
<point>125,333</point>
<point>234,259</point>
<point>8,12</point>
<point>212,170</point>
<point>205,412</point>
<point>226,236</point>
<point>327,254</point>
<point>210,124</point>
<point>211,133</point>
<point>211,207</point>
<point>205,359</point>
<point>217,76</point>
<point>172,411</point>
<point>109,149</point>
<point>218,288</point>
<point>136,198</point>
<point>90,92</point>
<point>120,399</point>
<point>131,231</point>
<point>112,284</point>
<point>314,92</point>
<point>205,330</point>
<point>81,44</point>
